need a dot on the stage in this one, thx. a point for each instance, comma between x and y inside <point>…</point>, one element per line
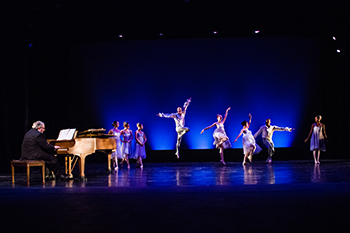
<point>86,64</point>
<point>285,196</point>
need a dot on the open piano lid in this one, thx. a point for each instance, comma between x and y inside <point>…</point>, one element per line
<point>93,133</point>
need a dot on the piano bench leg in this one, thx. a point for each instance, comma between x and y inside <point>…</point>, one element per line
<point>27,164</point>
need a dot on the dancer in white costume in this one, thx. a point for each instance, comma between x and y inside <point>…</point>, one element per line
<point>318,138</point>
<point>221,141</point>
<point>140,151</point>
<point>179,119</point>
<point>127,135</point>
<point>117,154</point>
<point>249,145</point>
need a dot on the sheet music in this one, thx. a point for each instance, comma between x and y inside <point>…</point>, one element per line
<point>66,134</point>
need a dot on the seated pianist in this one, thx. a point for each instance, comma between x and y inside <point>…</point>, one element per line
<point>35,147</point>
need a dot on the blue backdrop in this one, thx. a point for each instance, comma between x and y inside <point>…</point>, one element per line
<point>134,80</point>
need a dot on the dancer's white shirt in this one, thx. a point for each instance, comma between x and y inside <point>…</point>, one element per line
<point>267,132</point>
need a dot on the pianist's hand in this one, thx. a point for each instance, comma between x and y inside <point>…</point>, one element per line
<point>57,147</point>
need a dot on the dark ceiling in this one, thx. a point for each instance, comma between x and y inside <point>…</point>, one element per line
<point>84,21</point>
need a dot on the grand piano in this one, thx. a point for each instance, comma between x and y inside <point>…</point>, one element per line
<point>83,144</point>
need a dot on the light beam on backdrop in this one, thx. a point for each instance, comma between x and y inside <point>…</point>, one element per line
<point>135,80</point>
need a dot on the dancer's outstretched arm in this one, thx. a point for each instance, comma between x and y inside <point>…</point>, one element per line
<point>210,126</point>
<point>277,128</point>
<point>223,121</point>
<point>240,133</point>
<point>250,120</point>
<point>166,115</point>
<point>186,104</point>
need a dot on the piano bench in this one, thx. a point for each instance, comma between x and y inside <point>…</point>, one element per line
<point>27,164</point>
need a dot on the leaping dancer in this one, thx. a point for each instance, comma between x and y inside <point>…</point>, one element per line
<point>179,119</point>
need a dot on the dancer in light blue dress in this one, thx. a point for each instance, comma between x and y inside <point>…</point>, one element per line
<point>127,136</point>
<point>221,141</point>
<point>250,147</point>
<point>117,154</point>
<point>140,151</point>
<point>318,138</point>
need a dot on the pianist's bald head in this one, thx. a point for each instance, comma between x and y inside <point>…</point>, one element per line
<point>38,124</point>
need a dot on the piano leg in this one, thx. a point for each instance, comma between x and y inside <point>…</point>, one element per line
<point>109,154</point>
<point>82,167</point>
<point>68,166</point>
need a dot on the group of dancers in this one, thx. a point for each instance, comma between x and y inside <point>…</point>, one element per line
<point>221,140</point>
<point>123,144</point>
<point>250,147</point>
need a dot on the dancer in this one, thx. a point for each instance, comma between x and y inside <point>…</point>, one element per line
<point>220,138</point>
<point>318,137</point>
<point>140,152</point>
<point>249,145</point>
<point>126,143</point>
<point>117,154</point>
<point>267,132</point>
<point>179,119</point>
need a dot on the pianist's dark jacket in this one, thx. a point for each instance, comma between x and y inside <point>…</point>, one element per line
<point>35,146</point>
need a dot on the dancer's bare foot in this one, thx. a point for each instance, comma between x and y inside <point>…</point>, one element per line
<point>177,155</point>
<point>223,162</point>
<point>250,158</point>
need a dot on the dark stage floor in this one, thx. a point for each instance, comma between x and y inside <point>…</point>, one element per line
<point>286,196</point>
